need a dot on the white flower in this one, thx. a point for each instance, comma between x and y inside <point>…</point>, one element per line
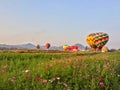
<point>58,78</point>
<point>27,70</point>
<point>118,75</point>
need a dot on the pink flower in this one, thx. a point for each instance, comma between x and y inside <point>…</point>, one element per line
<point>1,71</point>
<point>6,66</point>
<point>11,79</point>
<point>27,77</point>
<point>44,81</point>
<point>54,79</point>
<point>38,78</point>
<point>101,84</point>
<point>65,84</point>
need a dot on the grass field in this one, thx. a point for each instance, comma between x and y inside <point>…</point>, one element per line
<point>49,70</point>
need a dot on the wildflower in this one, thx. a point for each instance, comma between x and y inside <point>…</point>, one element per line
<point>58,78</point>
<point>6,66</point>
<point>27,70</point>
<point>38,78</point>
<point>65,84</point>
<point>12,79</point>
<point>118,75</point>
<point>44,81</point>
<point>1,71</point>
<point>74,67</point>
<point>54,79</point>
<point>27,77</point>
<point>101,84</point>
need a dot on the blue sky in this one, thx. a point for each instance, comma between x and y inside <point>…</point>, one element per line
<point>58,21</point>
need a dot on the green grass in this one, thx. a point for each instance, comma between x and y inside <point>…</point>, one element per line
<point>60,71</point>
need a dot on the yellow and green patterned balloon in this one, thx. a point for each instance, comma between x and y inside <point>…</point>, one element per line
<point>97,40</point>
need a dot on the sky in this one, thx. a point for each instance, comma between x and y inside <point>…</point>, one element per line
<point>58,22</point>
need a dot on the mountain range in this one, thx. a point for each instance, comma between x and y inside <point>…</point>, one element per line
<point>32,46</point>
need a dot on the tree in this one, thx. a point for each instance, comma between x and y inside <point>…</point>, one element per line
<point>87,48</point>
<point>113,50</point>
<point>38,46</point>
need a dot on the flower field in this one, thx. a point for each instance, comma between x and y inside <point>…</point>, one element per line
<point>60,71</point>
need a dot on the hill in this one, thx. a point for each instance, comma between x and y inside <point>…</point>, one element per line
<point>32,46</point>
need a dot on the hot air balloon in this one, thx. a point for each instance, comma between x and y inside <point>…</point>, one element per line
<point>74,48</point>
<point>97,40</point>
<point>65,47</point>
<point>47,45</point>
<point>105,49</point>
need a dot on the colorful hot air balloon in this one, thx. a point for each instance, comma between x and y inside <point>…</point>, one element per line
<point>105,49</point>
<point>47,45</point>
<point>73,48</point>
<point>65,47</point>
<point>97,40</point>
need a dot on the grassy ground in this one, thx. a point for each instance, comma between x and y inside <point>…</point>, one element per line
<point>57,70</point>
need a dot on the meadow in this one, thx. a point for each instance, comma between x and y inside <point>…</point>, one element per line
<point>49,70</point>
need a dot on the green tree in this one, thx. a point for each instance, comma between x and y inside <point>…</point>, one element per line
<point>38,46</point>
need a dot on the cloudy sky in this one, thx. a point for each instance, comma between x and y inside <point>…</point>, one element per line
<point>58,21</point>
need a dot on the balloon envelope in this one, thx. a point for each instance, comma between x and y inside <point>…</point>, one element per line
<point>47,45</point>
<point>73,47</point>
<point>65,47</point>
<point>97,40</point>
<point>105,49</point>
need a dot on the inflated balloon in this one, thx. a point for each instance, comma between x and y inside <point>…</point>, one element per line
<point>97,40</point>
<point>47,45</point>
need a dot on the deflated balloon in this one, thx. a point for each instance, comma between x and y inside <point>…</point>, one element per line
<point>65,47</point>
<point>97,40</point>
<point>73,47</point>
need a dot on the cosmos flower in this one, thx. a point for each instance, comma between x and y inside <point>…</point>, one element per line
<point>44,81</point>
<point>38,78</point>
<point>101,84</point>
<point>27,76</point>
<point>27,70</point>
<point>65,84</point>
<point>5,66</point>
<point>1,71</point>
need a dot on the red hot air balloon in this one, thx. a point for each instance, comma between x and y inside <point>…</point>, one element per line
<point>47,45</point>
<point>73,48</point>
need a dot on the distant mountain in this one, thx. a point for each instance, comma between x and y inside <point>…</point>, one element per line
<point>80,46</point>
<point>32,46</point>
<point>21,46</point>
<point>52,47</point>
<point>27,46</point>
